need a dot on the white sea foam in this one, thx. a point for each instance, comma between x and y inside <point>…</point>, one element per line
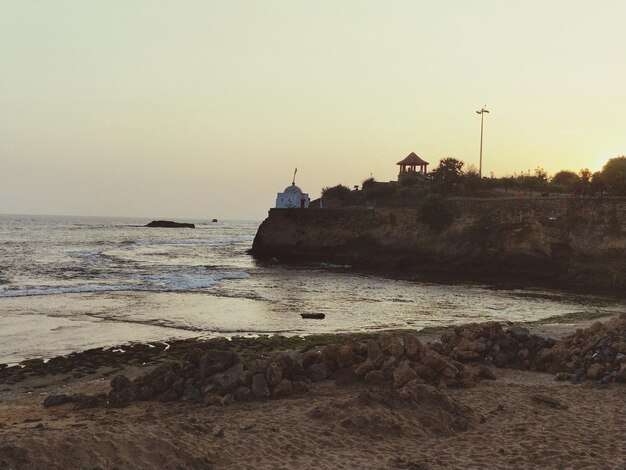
<point>151,283</point>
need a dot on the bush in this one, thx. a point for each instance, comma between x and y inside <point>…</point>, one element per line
<point>336,192</point>
<point>435,213</point>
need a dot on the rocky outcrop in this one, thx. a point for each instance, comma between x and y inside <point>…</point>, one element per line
<point>563,242</point>
<point>169,224</point>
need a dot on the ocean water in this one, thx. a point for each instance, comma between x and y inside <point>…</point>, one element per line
<point>72,283</point>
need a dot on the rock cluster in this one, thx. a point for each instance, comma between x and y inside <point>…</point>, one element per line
<point>513,347</point>
<point>214,377</point>
<point>597,352</point>
<point>220,377</point>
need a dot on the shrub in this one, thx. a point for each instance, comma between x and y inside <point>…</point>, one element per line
<point>336,192</point>
<point>435,213</point>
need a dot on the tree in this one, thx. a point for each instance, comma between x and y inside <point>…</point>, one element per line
<point>471,180</point>
<point>368,183</point>
<point>585,180</point>
<point>614,176</point>
<point>507,182</point>
<point>565,180</point>
<point>598,186</point>
<point>448,173</point>
<point>541,175</point>
<point>336,192</point>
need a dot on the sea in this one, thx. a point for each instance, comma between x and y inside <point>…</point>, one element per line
<point>73,283</point>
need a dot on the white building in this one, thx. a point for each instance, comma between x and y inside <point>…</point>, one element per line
<point>292,197</point>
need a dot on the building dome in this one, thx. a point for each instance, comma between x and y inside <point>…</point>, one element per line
<point>293,189</point>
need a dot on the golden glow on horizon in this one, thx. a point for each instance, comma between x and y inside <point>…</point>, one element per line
<point>203,109</point>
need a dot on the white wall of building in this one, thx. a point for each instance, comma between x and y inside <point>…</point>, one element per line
<point>292,198</point>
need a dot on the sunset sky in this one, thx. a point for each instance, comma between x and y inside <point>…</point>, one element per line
<point>203,108</point>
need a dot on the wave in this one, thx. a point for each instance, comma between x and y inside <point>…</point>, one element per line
<point>150,283</point>
<point>198,241</point>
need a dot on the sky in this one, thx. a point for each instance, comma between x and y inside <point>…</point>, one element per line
<point>202,109</point>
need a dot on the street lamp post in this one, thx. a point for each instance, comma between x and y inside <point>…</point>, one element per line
<point>480,167</point>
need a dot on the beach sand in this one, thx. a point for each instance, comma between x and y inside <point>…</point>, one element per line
<point>504,423</point>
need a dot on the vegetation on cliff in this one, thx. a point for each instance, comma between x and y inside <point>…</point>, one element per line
<point>452,178</point>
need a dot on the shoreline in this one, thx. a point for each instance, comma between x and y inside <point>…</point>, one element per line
<point>158,351</point>
<point>520,418</point>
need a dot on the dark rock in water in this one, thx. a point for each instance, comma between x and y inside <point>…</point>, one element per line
<point>315,316</point>
<point>169,224</point>
<point>214,220</point>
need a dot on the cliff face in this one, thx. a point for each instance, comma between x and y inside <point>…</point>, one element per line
<point>572,243</point>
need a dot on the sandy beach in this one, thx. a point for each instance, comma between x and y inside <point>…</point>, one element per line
<point>522,419</point>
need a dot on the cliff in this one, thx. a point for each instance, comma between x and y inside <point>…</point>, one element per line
<point>577,243</point>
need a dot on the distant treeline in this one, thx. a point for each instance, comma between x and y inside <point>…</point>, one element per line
<point>453,178</point>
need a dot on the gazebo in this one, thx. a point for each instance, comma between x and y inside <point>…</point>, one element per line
<point>409,166</point>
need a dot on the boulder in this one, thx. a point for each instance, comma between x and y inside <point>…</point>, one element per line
<point>218,356</point>
<point>224,382</point>
<point>345,376</point>
<point>329,353</point>
<point>373,349</point>
<point>309,358</point>
<point>345,356</point>
<point>257,366</point>
<point>434,360</point>
<point>283,389</point>
<point>374,377</point>
<point>191,392</point>
<point>56,400</point>
<point>245,378</point>
<point>212,399</point>
<point>423,372</point>
<point>273,375</point>
<point>388,367</point>
<point>120,382</point>
<point>167,396</point>
<point>403,374</point>
<point>395,348</point>
<point>227,399</point>
<point>243,394</point>
<point>259,387</point>
<point>365,367</point>
<point>318,371</point>
<point>485,372</point>
<point>412,346</point>
<point>595,371</point>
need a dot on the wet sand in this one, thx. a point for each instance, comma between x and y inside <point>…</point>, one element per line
<point>496,424</point>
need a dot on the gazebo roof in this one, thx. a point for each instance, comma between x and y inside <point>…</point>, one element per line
<point>412,159</point>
